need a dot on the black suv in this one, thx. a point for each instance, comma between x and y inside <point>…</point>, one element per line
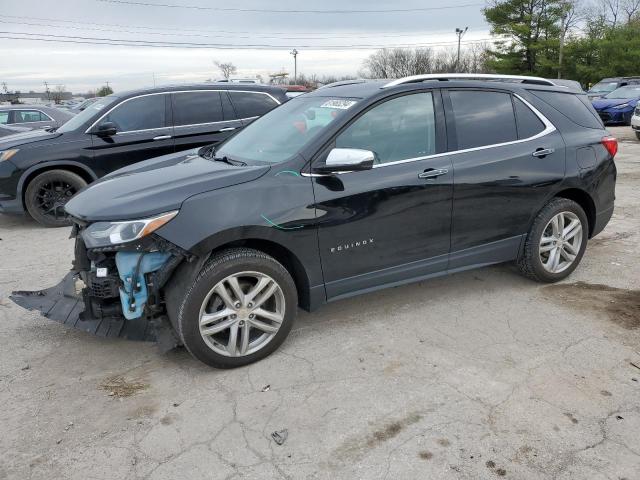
<point>41,170</point>
<point>346,190</point>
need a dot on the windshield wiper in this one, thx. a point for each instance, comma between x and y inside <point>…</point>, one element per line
<point>229,161</point>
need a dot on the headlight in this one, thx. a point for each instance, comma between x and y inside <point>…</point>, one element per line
<point>104,234</point>
<point>624,105</point>
<point>7,154</point>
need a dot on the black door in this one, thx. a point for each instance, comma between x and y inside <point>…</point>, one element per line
<point>199,118</point>
<point>390,223</point>
<point>143,131</point>
<point>506,163</point>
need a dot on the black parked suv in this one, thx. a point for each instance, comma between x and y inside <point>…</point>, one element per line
<point>345,190</point>
<point>41,170</point>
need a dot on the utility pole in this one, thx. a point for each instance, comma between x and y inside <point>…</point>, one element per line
<point>294,52</point>
<point>46,89</point>
<point>460,33</point>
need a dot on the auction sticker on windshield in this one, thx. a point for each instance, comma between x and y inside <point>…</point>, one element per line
<point>338,103</point>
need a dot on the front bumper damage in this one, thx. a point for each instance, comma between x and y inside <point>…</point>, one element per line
<point>113,292</point>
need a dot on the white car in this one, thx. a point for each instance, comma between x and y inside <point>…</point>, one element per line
<point>635,121</point>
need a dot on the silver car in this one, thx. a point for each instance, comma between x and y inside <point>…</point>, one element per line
<point>19,118</point>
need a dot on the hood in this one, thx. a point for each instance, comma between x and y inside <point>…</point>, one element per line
<point>143,191</point>
<point>26,138</point>
<point>153,163</point>
<point>602,103</point>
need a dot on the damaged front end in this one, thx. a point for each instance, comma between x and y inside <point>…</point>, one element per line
<point>115,288</point>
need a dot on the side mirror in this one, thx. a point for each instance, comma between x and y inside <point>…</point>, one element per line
<point>106,129</point>
<point>347,160</point>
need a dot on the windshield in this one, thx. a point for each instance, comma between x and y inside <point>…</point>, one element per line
<point>604,87</point>
<point>625,93</point>
<point>87,114</point>
<point>281,133</point>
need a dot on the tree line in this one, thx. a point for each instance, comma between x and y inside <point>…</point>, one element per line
<point>577,39</point>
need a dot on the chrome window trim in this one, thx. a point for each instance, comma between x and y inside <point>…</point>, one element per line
<point>180,91</point>
<point>549,128</point>
<point>27,110</point>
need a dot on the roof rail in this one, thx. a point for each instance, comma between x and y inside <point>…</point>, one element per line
<point>469,76</point>
<point>344,82</point>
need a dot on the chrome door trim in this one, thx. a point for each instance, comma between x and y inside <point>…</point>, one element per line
<point>180,91</point>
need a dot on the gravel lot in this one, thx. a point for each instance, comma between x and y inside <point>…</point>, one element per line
<point>478,375</point>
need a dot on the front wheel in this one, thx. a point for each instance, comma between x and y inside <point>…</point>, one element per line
<point>556,242</point>
<point>638,134</point>
<point>47,194</point>
<point>238,310</point>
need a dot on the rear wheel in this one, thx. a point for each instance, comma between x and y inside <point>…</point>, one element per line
<point>638,135</point>
<point>238,310</point>
<point>47,195</point>
<point>556,241</point>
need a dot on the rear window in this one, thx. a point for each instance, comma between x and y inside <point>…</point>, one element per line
<point>528,122</point>
<point>483,118</point>
<point>571,107</point>
<point>251,104</point>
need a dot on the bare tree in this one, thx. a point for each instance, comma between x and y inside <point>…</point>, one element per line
<point>58,91</point>
<point>631,9</point>
<point>227,68</point>
<point>570,17</point>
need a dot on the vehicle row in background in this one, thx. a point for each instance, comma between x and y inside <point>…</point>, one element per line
<point>22,118</point>
<point>41,170</point>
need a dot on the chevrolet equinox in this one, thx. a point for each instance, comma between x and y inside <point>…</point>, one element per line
<point>355,187</point>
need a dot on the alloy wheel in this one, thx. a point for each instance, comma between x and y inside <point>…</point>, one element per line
<point>242,313</point>
<point>561,241</point>
<point>52,197</point>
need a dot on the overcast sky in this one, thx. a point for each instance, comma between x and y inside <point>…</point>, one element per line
<point>26,64</point>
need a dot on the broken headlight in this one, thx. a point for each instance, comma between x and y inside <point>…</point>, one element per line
<point>104,234</point>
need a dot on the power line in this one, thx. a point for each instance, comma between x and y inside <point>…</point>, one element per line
<point>269,10</point>
<point>220,46</point>
<point>93,28</point>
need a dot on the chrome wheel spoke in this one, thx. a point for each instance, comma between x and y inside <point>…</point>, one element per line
<point>556,224</point>
<point>271,289</point>
<point>568,246</point>
<point>274,317</point>
<point>572,230</point>
<point>263,282</point>
<point>554,258</point>
<point>244,338</point>
<point>235,288</point>
<point>218,327</point>
<point>568,256</point>
<point>265,327</point>
<point>208,318</point>
<point>221,291</point>
<point>232,345</point>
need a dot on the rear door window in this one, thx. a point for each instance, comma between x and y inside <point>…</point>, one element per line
<point>141,113</point>
<point>483,118</point>
<point>4,118</point>
<point>252,104</point>
<point>193,108</point>
<point>529,124</point>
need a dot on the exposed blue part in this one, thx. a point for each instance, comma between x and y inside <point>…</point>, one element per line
<point>127,263</point>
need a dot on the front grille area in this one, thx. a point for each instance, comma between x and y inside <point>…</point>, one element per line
<point>105,287</point>
<point>604,116</point>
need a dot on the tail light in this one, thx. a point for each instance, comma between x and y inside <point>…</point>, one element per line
<point>611,144</point>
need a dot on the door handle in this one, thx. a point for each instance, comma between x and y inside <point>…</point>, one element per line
<point>228,129</point>
<point>543,152</point>
<point>162,137</point>
<point>431,173</point>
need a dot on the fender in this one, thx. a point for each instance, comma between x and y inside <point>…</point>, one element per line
<point>46,165</point>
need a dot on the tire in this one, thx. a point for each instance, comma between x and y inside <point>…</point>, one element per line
<point>536,263</point>
<point>638,135</point>
<point>202,299</point>
<point>47,194</point>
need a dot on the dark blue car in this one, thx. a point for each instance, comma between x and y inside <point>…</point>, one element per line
<point>617,107</point>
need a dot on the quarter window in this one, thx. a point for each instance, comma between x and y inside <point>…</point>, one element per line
<point>398,129</point>
<point>528,122</point>
<point>4,118</point>
<point>251,104</point>
<point>141,113</point>
<point>483,118</point>
<point>192,108</point>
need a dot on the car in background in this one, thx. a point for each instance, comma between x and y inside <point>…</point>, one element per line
<point>635,121</point>
<point>608,85</point>
<point>616,107</point>
<point>296,90</point>
<point>6,130</point>
<point>83,105</point>
<point>31,117</point>
<point>41,170</point>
